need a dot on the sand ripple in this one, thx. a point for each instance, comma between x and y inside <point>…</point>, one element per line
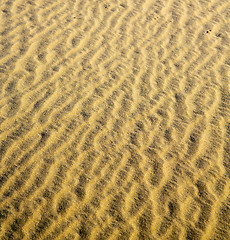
<point>114,119</point>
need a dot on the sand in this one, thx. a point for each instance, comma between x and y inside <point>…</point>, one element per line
<point>115,119</point>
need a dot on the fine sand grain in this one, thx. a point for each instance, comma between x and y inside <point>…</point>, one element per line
<point>115,119</point>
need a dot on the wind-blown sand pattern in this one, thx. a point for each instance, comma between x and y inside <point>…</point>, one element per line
<point>115,119</point>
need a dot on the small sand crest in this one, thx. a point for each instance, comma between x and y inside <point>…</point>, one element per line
<point>114,119</point>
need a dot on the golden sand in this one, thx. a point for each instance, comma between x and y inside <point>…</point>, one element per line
<point>115,119</point>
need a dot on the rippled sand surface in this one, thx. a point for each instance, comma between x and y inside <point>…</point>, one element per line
<point>115,119</point>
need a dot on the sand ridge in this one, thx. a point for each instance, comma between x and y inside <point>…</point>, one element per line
<point>114,119</point>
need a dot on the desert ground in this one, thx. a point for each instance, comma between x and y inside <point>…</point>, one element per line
<point>115,119</point>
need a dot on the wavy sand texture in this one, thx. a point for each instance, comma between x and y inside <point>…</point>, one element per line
<point>115,119</point>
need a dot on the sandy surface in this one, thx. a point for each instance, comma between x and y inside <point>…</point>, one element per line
<point>115,119</point>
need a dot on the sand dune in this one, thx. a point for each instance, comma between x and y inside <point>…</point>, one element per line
<point>114,119</point>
